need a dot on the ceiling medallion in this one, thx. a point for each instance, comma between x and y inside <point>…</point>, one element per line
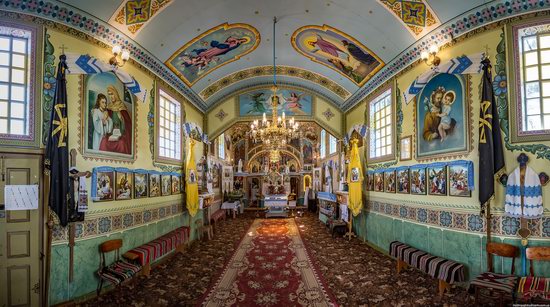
<point>328,114</point>
<point>416,15</point>
<point>274,134</point>
<point>133,15</point>
<point>221,114</point>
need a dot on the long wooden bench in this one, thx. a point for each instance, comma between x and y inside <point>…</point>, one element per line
<point>447,271</point>
<point>149,252</point>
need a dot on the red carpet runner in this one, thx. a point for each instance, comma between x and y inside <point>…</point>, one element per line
<point>270,267</point>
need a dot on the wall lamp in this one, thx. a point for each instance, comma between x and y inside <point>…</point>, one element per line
<point>430,57</point>
<point>124,56</point>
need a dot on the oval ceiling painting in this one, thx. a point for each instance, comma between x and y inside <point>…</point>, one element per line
<point>212,49</point>
<point>338,51</point>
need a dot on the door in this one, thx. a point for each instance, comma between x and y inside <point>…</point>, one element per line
<point>21,235</point>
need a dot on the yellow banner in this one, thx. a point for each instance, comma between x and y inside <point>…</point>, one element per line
<point>355,180</point>
<point>191,185</point>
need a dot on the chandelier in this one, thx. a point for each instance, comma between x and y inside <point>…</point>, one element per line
<point>277,132</point>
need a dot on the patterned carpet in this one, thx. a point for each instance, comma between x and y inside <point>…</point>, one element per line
<point>355,273</point>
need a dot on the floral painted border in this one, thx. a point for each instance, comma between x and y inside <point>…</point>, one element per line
<point>48,88</point>
<point>501,225</point>
<point>117,222</point>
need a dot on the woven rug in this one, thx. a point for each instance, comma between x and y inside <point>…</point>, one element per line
<point>271,267</point>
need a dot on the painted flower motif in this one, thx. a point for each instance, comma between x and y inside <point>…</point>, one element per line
<point>146,216</point>
<point>62,14</point>
<point>100,30</point>
<point>76,19</point>
<point>49,86</point>
<point>422,215</point>
<point>403,212</point>
<point>510,225</point>
<point>47,8</point>
<point>128,220</point>
<point>445,218</point>
<point>89,25</point>
<point>32,5</point>
<point>78,230</point>
<point>501,9</point>
<point>500,84</point>
<point>475,223</point>
<point>104,224</point>
<point>546,227</point>
<point>460,26</point>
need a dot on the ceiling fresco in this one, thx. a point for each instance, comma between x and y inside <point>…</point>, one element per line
<point>416,15</point>
<point>212,49</point>
<point>168,36</point>
<point>337,50</point>
<point>133,15</point>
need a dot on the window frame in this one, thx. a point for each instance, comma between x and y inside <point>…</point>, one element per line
<point>34,88</point>
<point>170,93</point>
<point>515,84</point>
<point>330,138</point>
<point>373,97</point>
<point>220,145</point>
<point>323,144</point>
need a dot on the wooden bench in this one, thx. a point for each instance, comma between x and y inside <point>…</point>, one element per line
<point>117,272</point>
<point>217,216</point>
<point>447,271</point>
<point>149,252</point>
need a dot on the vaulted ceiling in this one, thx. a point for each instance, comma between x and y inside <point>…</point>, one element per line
<point>383,32</point>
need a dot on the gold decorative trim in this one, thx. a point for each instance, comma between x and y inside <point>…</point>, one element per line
<point>267,70</point>
<point>225,26</point>
<point>326,27</point>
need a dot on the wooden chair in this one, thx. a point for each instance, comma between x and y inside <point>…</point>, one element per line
<point>531,288</point>
<point>494,286</point>
<point>118,271</point>
<point>202,229</point>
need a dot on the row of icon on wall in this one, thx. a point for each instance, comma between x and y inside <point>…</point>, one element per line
<point>123,185</point>
<point>452,180</point>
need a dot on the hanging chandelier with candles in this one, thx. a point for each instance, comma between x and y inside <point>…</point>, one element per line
<point>277,132</point>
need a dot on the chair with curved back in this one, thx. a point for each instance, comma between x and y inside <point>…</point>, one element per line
<point>494,286</point>
<point>118,271</point>
<point>535,289</point>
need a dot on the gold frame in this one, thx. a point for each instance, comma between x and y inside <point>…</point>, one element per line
<point>326,28</point>
<point>469,127</point>
<point>224,26</point>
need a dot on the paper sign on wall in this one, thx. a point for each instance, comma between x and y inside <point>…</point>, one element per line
<point>21,197</point>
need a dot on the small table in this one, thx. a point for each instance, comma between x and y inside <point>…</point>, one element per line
<point>233,206</point>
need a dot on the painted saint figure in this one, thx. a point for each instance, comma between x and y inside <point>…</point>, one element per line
<point>102,122</point>
<point>120,138</point>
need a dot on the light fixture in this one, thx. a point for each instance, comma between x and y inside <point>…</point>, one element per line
<point>124,56</point>
<point>277,132</point>
<point>430,57</point>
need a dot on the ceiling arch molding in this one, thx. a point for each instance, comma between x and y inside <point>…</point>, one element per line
<point>267,70</point>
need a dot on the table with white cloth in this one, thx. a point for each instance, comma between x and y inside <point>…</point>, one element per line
<point>231,207</point>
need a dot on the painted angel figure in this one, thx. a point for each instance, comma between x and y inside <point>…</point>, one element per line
<point>293,104</point>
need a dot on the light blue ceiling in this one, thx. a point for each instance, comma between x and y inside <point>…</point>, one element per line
<point>367,21</point>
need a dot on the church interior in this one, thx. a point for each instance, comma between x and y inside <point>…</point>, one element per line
<point>274,153</point>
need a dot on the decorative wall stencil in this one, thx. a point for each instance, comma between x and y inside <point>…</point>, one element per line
<point>443,117</point>
<point>337,50</point>
<point>107,118</point>
<point>268,71</point>
<point>221,115</point>
<point>416,15</point>
<point>328,114</point>
<point>500,86</point>
<point>212,49</point>
<point>292,102</point>
<point>133,15</point>
<point>48,90</point>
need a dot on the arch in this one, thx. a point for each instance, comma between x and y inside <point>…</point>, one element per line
<point>308,181</point>
<point>259,153</point>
